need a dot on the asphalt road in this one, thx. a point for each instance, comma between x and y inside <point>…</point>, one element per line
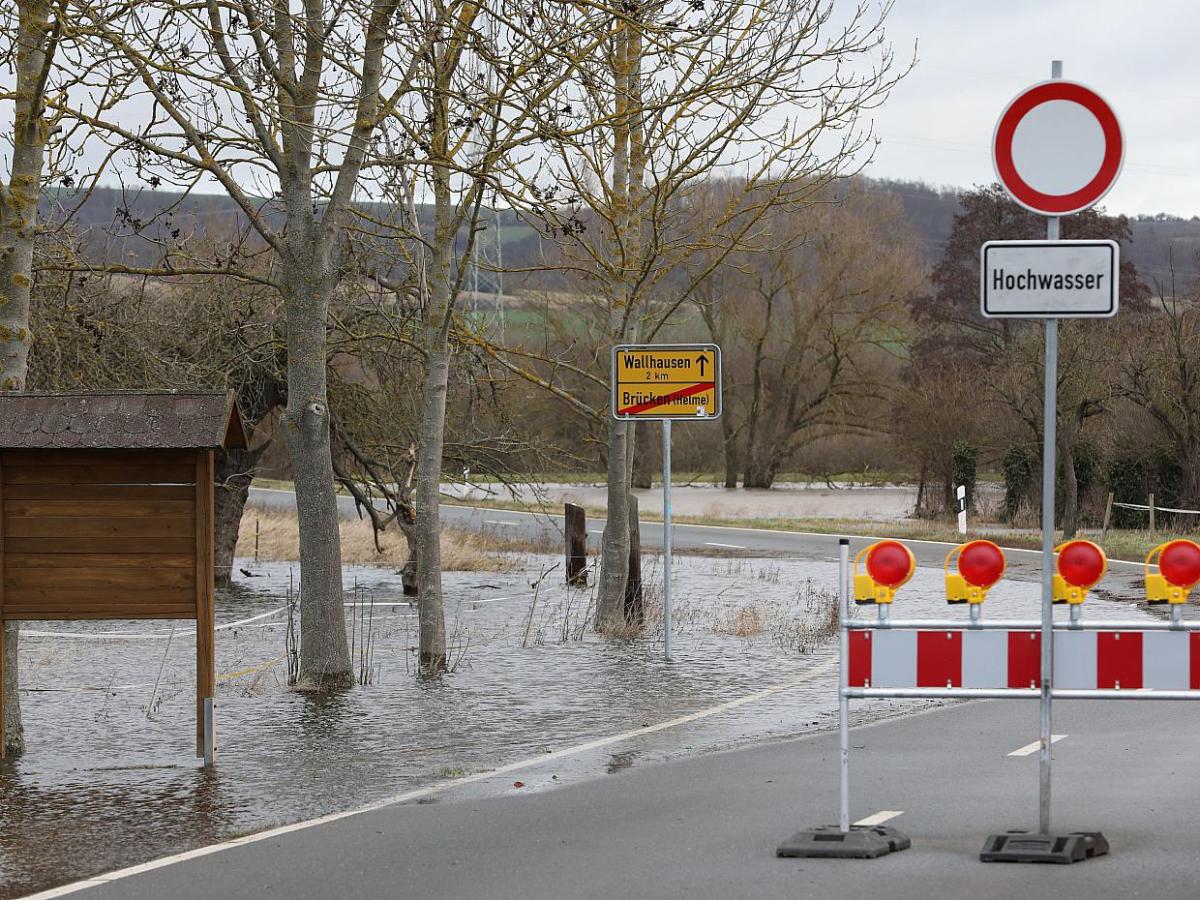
<point>707,827</point>
<point>1022,564</point>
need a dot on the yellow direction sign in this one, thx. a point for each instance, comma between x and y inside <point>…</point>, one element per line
<point>666,381</point>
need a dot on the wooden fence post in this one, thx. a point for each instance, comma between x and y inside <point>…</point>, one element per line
<point>1151,504</point>
<point>1107,516</point>
<point>575,529</point>
<point>634,602</point>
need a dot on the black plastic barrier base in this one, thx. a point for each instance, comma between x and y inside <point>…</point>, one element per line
<point>1023,847</point>
<point>830,842</point>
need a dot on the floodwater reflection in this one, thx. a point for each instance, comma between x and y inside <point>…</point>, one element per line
<point>109,778</point>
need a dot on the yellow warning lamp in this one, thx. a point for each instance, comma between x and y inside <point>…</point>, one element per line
<point>889,564</point>
<point>1079,568</point>
<point>980,565</point>
<point>1178,571</point>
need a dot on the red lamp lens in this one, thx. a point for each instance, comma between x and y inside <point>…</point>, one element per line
<point>981,563</point>
<point>1081,563</point>
<point>1179,563</point>
<point>889,564</point>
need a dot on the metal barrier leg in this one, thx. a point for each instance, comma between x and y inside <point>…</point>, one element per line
<point>844,682</point>
<point>845,841</point>
<point>210,748</point>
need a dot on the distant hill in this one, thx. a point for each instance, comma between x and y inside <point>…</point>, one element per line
<point>1160,242</point>
<point>110,220</point>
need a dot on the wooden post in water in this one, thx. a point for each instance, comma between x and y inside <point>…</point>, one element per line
<point>575,529</point>
<point>634,605</point>
<point>206,667</point>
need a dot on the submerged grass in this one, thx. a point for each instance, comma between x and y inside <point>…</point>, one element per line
<point>277,535</point>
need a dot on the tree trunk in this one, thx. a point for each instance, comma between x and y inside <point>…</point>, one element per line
<point>234,472</point>
<point>729,438</point>
<point>36,38</point>
<point>760,470</point>
<point>1070,486</point>
<point>644,456</point>
<point>431,617</point>
<point>408,572</point>
<point>324,651</point>
<point>614,555</point>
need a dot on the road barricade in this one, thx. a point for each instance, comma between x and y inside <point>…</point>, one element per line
<point>887,657</point>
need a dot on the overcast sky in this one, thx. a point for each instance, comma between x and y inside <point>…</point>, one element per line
<point>974,55</point>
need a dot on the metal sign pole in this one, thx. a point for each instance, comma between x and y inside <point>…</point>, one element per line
<point>844,682</point>
<point>666,431</point>
<point>1049,423</point>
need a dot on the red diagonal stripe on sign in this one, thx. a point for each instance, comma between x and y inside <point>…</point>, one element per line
<point>668,398</point>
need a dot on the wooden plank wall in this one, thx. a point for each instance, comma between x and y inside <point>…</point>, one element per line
<point>95,534</point>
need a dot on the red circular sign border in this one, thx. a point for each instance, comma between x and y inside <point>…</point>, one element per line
<point>1110,166</point>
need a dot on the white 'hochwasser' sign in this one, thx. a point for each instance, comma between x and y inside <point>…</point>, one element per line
<point>1042,279</point>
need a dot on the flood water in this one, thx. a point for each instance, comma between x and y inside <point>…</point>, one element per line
<point>109,777</point>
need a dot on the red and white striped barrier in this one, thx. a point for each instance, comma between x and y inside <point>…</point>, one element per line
<point>1001,659</point>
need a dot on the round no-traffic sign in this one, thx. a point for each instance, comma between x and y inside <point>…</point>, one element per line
<point>1058,147</point>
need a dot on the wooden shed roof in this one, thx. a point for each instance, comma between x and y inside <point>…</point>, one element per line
<point>120,420</point>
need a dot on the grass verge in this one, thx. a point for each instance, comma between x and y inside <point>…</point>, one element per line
<point>1125,544</point>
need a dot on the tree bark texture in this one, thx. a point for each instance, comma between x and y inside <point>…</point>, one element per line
<point>234,473</point>
<point>324,649</point>
<point>36,38</point>
<point>614,556</point>
<point>760,469</point>
<point>1070,488</point>
<point>431,616</point>
<point>628,168</point>
<point>644,456</point>
<point>729,444</point>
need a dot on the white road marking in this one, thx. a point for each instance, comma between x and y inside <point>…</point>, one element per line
<point>1030,749</point>
<point>498,522</point>
<point>730,546</point>
<point>595,531</point>
<point>880,817</point>
<point>108,878</point>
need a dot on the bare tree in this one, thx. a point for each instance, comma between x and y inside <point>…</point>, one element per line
<point>282,102</point>
<point>487,81</point>
<point>818,319</point>
<point>1160,371</point>
<point>770,92</point>
<point>31,43</point>
<point>97,329</point>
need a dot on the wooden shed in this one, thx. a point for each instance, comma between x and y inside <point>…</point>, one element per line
<point>106,510</point>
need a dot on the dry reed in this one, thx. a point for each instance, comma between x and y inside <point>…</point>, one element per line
<point>278,534</point>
